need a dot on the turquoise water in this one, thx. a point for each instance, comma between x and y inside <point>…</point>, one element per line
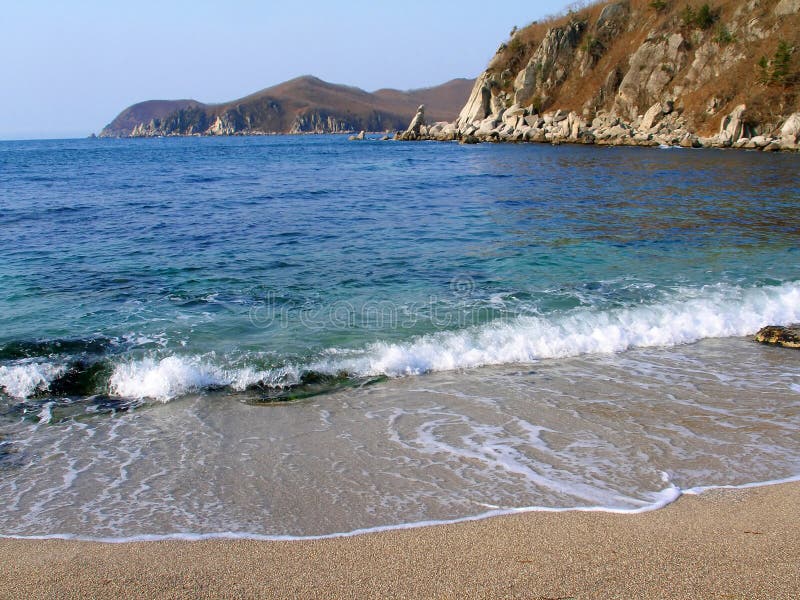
<point>255,269</point>
<point>252,261</point>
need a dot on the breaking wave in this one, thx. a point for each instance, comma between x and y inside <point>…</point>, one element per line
<point>692,315</point>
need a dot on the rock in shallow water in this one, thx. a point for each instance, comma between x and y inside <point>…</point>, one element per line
<point>788,337</point>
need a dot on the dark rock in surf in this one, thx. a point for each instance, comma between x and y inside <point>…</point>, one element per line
<point>788,337</point>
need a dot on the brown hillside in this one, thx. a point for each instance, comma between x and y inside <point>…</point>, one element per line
<point>304,104</point>
<point>726,57</point>
<point>439,101</point>
<point>143,112</point>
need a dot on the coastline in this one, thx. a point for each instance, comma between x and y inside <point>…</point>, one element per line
<point>689,141</point>
<point>731,543</point>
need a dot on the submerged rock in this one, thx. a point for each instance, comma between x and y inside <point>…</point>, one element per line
<point>788,336</point>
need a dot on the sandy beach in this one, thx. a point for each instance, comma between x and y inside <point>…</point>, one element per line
<point>721,544</point>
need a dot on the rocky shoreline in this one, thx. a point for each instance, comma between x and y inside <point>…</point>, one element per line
<point>661,125</point>
<point>638,73</point>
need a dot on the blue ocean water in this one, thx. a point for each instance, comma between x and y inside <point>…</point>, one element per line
<point>261,269</point>
<point>253,261</point>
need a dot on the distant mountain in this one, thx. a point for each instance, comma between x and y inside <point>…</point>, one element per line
<point>302,105</point>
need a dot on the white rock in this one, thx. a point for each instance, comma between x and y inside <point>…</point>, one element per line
<point>575,131</point>
<point>733,124</point>
<point>478,105</point>
<point>787,144</point>
<point>787,7</point>
<point>450,128</point>
<point>417,122</point>
<point>652,116</point>
<point>534,121</point>
<point>515,110</point>
<point>791,128</point>
<point>511,120</point>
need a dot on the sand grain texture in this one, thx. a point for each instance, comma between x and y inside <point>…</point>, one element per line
<point>723,544</point>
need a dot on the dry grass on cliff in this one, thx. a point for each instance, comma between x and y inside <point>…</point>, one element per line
<point>576,91</point>
<point>738,84</point>
<point>742,83</point>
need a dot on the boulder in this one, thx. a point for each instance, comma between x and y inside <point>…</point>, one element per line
<point>791,128</point>
<point>612,19</point>
<point>652,68</point>
<point>788,336</point>
<point>512,120</point>
<point>515,110</point>
<point>536,135</point>
<point>486,126</point>
<point>733,124</point>
<point>787,7</point>
<point>534,121</point>
<point>418,121</point>
<point>478,105</point>
<point>576,126</point>
<point>788,145</point>
<point>498,104</point>
<point>652,116</point>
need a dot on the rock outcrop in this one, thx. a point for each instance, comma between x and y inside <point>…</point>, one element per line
<point>417,127</point>
<point>788,336</point>
<point>642,73</point>
<point>302,105</point>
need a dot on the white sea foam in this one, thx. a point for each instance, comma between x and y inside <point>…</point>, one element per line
<point>711,312</point>
<point>175,376</point>
<point>659,500</point>
<point>24,379</point>
<point>695,314</point>
<point>163,379</point>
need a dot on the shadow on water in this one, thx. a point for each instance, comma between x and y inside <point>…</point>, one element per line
<point>310,385</point>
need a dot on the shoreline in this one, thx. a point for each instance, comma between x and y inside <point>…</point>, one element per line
<point>667,497</point>
<point>661,127</point>
<point>724,542</point>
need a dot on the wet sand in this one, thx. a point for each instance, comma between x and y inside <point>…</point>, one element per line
<point>722,544</point>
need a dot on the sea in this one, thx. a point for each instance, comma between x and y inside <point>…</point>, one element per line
<point>282,337</point>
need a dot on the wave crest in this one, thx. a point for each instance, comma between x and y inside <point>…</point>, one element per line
<point>692,315</point>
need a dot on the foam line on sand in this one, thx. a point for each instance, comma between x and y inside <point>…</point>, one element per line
<point>723,543</point>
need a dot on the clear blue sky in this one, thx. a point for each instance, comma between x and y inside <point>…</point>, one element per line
<point>70,67</point>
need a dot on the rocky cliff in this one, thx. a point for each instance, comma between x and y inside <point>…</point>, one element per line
<point>642,72</point>
<point>302,105</point>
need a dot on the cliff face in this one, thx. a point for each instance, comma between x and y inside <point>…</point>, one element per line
<point>302,105</point>
<point>643,71</point>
